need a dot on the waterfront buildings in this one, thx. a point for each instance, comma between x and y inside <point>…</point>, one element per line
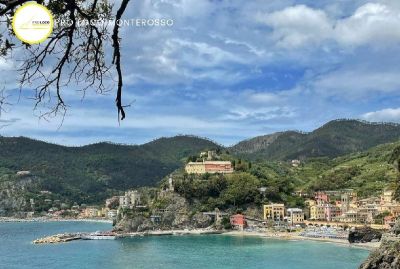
<point>238,221</point>
<point>317,212</point>
<point>274,212</point>
<point>295,216</point>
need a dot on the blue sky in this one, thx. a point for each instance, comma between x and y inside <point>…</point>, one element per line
<point>231,70</point>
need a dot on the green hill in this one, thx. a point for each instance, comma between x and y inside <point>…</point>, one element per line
<point>91,173</point>
<point>336,138</point>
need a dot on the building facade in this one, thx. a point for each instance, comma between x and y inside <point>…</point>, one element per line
<point>317,212</point>
<point>295,216</point>
<point>211,167</point>
<point>274,212</point>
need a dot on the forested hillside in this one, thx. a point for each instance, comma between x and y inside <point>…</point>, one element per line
<point>336,138</point>
<point>90,173</point>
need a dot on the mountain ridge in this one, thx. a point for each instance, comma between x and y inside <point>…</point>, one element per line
<point>333,139</point>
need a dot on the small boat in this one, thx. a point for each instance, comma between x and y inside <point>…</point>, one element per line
<point>99,236</point>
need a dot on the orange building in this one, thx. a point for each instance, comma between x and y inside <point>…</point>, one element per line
<point>238,221</point>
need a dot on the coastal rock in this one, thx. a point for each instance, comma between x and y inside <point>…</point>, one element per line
<point>364,235</point>
<point>200,220</point>
<point>12,196</point>
<point>135,224</point>
<point>387,256</point>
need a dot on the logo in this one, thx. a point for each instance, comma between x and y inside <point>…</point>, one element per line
<point>32,23</point>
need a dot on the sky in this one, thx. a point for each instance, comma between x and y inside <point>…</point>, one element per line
<point>231,70</point>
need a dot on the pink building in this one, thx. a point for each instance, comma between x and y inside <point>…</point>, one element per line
<point>321,198</point>
<point>331,212</point>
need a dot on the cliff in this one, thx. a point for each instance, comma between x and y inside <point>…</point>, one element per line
<point>12,196</point>
<point>387,256</point>
<point>171,211</point>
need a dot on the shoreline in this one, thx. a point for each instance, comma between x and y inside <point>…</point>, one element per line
<point>295,237</point>
<point>268,235</point>
<point>44,219</point>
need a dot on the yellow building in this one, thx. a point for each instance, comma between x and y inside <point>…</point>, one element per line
<point>211,167</point>
<point>195,168</point>
<point>310,202</point>
<point>90,212</point>
<point>317,212</point>
<point>274,212</point>
<point>387,197</point>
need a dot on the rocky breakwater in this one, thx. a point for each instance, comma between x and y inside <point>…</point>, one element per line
<point>58,238</point>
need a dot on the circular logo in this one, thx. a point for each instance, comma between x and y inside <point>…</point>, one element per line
<point>32,23</point>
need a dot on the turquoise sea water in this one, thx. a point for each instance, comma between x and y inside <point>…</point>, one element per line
<point>207,251</point>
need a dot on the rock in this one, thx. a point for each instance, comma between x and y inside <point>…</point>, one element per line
<point>387,256</point>
<point>364,235</point>
<point>200,220</point>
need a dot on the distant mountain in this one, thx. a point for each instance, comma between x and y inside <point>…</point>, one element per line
<point>90,173</point>
<point>336,138</point>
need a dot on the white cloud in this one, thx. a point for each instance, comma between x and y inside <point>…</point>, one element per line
<point>384,115</point>
<point>374,24</point>
<point>297,26</point>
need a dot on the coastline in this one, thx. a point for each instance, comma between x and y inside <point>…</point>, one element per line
<point>44,219</point>
<point>269,235</point>
<point>296,237</point>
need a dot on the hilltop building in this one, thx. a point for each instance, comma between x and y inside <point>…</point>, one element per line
<point>130,199</point>
<point>212,167</point>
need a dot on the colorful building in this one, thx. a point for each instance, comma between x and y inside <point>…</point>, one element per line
<point>238,221</point>
<point>321,198</point>
<point>317,212</point>
<point>274,212</point>
<point>295,216</point>
<point>211,167</point>
<point>331,212</point>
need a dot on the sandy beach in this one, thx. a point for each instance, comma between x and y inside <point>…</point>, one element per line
<point>294,236</point>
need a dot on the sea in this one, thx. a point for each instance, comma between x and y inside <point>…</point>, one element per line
<point>177,252</point>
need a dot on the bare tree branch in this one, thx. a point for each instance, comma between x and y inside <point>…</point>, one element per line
<point>75,52</point>
<point>117,58</point>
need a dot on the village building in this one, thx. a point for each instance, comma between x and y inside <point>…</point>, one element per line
<point>317,212</point>
<point>274,212</point>
<point>331,212</point>
<point>238,221</point>
<point>321,198</point>
<point>212,167</point>
<point>130,199</point>
<point>112,214</point>
<point>295,216</point>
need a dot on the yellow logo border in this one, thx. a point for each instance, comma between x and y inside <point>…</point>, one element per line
<point>42,7</point>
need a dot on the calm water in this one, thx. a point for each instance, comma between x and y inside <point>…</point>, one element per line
<point>211,251</point>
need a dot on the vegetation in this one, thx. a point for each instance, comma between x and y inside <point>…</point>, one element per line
<point>336,138</point>
<point>91,173</point>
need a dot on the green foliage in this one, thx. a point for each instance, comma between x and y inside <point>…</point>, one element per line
<point>336,138</point>
<point>92,173</point>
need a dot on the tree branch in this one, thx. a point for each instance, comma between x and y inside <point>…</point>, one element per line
<point>117,59</point>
